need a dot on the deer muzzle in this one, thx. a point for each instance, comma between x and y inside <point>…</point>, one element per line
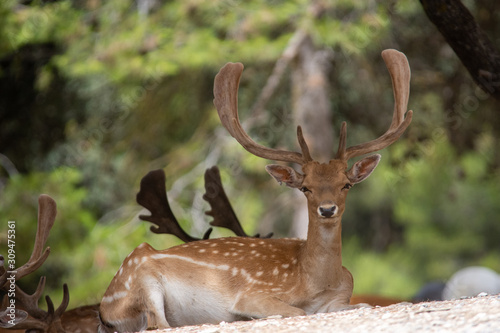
<point>327,209</point>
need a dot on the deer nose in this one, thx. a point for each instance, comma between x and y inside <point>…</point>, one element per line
<point>327,209</point>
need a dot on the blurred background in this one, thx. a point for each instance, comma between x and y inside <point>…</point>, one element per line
<point>94,94</point>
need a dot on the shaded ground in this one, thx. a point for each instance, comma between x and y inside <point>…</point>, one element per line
<point>478,314</point>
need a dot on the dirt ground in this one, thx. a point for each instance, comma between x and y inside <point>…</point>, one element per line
<point>471,315</point>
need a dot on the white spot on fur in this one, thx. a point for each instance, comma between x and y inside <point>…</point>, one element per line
<point>276,271</point>
<point>114,297</point>
<point>247,276</point>
<point>191,260</point>
<point>127,285</point>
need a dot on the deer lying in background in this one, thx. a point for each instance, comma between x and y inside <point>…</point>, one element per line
<point>85,318</point>
<point>240,278</point>
<point>25,314</point>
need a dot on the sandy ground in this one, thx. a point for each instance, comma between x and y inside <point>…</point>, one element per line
<point>478,314</point>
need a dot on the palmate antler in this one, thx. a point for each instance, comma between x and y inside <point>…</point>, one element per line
<point>153,196</point>
<point>226,101</point>
<point>221,209</point>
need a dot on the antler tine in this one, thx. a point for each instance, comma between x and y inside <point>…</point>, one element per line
<point>221,209</point>
<point>399,69</point>
<point>306,155</point>
<point>226,85</point>
<point>64,303</point>
<point>342,142</point>
<point>30,303</point>
<point>40,319</point>
<point>153,196</point>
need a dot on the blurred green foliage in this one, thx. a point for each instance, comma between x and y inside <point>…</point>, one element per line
<point>129,90</point>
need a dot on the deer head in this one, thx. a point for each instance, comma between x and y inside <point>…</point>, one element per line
<point>324,185</point>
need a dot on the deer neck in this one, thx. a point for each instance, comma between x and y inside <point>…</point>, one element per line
<point>322,251</point>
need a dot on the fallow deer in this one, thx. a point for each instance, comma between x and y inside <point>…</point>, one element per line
<point>238,278</point>
<point>22,312</point>
<point>152,195</point>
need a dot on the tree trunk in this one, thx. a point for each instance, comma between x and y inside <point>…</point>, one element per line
<point>470,43</point>
<point>312,111</point>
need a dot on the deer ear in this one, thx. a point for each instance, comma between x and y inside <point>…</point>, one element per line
<point>12,317</point>
<point>363,168</point>
<point>285,174</point>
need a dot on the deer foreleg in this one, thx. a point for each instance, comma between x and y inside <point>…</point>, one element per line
<point>156,315</point>
<point>265,306</point>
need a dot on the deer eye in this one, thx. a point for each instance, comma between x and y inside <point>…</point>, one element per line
<point>347,186</point>
<point>304,189</point>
